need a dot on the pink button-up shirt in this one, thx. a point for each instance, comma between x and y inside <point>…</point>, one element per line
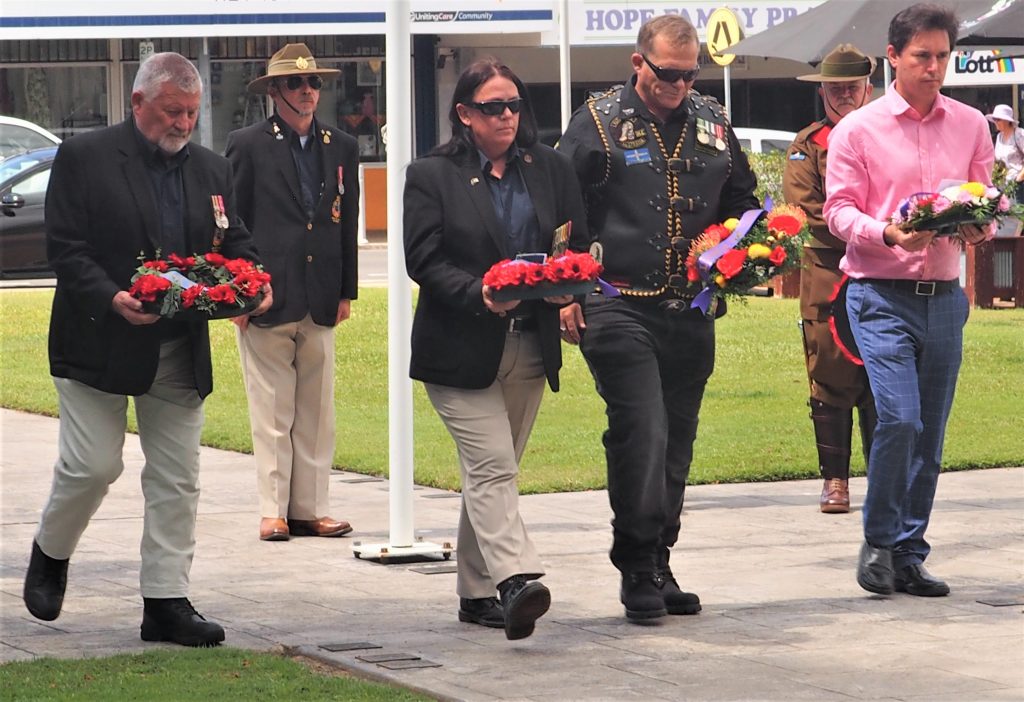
<point>885,152</point>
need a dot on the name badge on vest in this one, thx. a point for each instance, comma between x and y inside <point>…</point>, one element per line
<point>628,133</point>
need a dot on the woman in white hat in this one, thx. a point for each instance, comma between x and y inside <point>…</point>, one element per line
<point>1009,146</point>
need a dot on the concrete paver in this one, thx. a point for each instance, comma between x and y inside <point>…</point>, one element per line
<point>783,617</point>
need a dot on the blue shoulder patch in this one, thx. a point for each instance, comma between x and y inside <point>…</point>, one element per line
<point>797,156</point>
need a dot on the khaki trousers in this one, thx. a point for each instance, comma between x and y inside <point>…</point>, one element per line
<point>92,429</point>
<point>289,379</point>
<point>490,428</point>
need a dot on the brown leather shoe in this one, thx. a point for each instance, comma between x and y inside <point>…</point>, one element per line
<point>325,526</point>
<point>835,496</point>
<point>273,529</point>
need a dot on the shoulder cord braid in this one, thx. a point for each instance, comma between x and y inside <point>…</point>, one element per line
<point>591,105</point>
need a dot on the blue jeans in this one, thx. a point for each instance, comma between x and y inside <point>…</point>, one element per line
<point>911,346</point>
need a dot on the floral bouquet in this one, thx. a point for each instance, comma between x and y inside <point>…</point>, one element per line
<point>203,286</point>
<point>518,279</point>
<point>946,210</point>
<point>730,258</point>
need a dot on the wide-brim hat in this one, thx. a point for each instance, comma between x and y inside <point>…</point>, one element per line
<point>291,60</point>
<point>1002,112</point>
<point>843,63</point>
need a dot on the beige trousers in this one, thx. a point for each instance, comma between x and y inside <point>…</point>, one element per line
<point>90,443</point>
<point>490,428</point>
<point>289,378</point>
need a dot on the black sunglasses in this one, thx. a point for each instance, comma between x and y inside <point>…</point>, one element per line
<point>497,107</point>
<point>673,75</point>
<point>296,82</point>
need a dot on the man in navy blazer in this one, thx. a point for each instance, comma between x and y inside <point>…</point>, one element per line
<point>137,190</point>
<point>298,192</point>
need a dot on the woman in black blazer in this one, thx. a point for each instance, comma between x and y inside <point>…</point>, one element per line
<point>490,193</point>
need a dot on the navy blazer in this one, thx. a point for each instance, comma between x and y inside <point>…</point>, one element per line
<point>313,263</point>
<point>101,217</point>
<point>452,237</point>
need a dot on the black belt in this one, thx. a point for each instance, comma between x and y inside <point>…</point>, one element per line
<point>927,288</point>
<point>521,324</point>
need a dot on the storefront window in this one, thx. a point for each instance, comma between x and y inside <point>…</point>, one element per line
<point>65,99</point>
<point>357,104</point>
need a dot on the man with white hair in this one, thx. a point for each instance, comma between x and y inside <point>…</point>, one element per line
<point>136,187</point>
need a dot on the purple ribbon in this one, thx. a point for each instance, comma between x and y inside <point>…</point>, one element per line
<point>607,289</point>
<point>711,256</point>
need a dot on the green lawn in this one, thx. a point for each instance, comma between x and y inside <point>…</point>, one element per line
<point>754,423</point>
<point>210,674</point>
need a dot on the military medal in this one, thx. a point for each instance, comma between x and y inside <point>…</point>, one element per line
<point>719,137</point>
<point>703,133</point>
<point>277,132</point>
<point>341,180</point>
<point>220,218</point>
<point>336,209</point>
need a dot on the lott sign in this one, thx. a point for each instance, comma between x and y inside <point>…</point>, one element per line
<point>984,68</point>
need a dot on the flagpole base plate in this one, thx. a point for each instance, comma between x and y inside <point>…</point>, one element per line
<point>386,553</point>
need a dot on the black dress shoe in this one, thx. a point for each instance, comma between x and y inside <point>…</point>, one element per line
<point>45,582</point>
<point>915,580</point>
<point>177,621</point>
<point>874,569</point>
<point>484,611</point>
<point>641,595</point>
<point>524,602</point>
<point>677,601</point>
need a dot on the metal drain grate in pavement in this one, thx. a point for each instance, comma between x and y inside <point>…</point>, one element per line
<point>435,569</point>
<point>405,665</point>
<point>349,646</point>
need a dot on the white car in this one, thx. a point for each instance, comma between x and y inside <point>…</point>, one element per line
<point>18,136</point>
<point>762,141</point>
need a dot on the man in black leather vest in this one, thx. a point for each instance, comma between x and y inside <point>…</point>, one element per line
<point>659,163</point>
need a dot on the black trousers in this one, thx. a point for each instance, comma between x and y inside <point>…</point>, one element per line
<point>651,366</point>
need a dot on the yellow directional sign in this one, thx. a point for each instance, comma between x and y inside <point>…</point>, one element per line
<point>723,30</point>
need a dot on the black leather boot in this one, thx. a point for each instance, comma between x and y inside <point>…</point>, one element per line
<point>45,582</point>
<point>641,595</point>
<point>177,621</point>
<point>524,601</point>
<point>677,601</point>
<point>484,611</point>
<point>833,430</point>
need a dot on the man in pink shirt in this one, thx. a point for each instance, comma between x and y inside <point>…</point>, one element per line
<point>905,303</point>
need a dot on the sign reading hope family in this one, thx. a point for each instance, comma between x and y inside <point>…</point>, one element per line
<point>603,22</point>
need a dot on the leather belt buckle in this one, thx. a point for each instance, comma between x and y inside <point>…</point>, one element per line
<point>925,287</point>
<point>517,325</point>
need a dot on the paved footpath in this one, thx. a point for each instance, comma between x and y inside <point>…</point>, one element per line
<point>783,617</point>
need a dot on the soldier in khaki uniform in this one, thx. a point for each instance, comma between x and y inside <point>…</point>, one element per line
<point>837,383</point>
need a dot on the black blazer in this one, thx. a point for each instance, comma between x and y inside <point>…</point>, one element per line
<point>313,264</point>
<point>452,236</point>
<point>100,217</point>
